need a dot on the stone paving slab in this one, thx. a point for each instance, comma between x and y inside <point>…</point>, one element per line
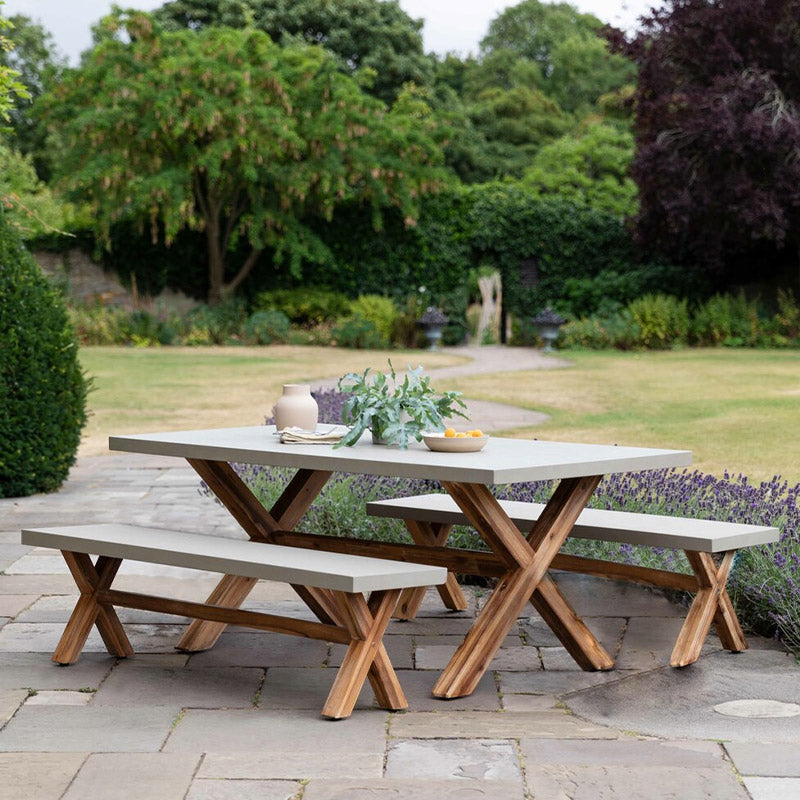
<point>236,648</point>
<point>412,789</point>
<point>776,760</point>
<point>60,697</point>
<point>36,584</point>
<point>634,783</point>
<point>555,681</point>
<point>600,597</point>
<point>529,702</point>
<point>243,790</point>
<point>277,732</point>
<point>138,685</point>
<point>437,759</point>
<point>608,630</point>
<point>638,703</point>
<point>10,701</point>
<point>521,659</point>
<point>37,671</point>
<point>38,776</point>
<point>280,763</point>
<point>69,729</point>
<point>498,725</point>
<point>11,605</point>
<point>623,752</point>
<point>43,637</point>
<point>773,788</point>
<point>11,553</point>
<point>144,776</point>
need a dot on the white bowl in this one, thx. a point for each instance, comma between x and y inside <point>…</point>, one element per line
<point>453,444</point>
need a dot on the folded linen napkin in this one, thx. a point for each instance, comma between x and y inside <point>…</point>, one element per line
<point>299,436</point>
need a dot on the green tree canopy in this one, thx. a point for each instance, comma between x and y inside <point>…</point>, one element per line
<point>223,131</point>
<point>588,168</point>
<point>515,123</point>
<point>374,36</point>
<point>31,206</point>
<point>10,86</point>
<point>574,64</point>
<point>35,58</point>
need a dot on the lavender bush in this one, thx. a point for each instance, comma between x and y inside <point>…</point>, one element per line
<point>764,582</point>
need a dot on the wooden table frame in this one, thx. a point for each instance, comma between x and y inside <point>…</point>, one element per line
<point>525,562</point>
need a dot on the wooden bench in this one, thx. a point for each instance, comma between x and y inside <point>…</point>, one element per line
<point>429,519</point>
<point>359,623</point>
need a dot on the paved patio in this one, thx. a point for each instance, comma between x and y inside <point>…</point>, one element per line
<point>242,720</point>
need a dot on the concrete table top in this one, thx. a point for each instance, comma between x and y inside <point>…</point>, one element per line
<point>501,461</point>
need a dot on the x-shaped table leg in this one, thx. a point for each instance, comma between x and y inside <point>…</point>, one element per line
<point>366,655</point>
<point>711,604</point>
<point>527,562</point>
<point>410,600</point>
<point>91,579</point>
<point>259,524</point>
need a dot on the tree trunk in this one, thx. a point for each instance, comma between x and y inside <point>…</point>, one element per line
<point>216,263</point>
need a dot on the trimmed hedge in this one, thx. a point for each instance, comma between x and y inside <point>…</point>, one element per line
<point>548,251</point>
<point>42,388</point>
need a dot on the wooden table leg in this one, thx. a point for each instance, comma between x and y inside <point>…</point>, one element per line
<point>427,533</point>
<point>569,627</point>
<point>366,624</point>
<point>259,525</point>
<point>91,579</point>
<point>527,562</point>
<point>711,604</point>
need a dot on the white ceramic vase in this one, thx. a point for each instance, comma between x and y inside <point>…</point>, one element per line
<point>296,408</point>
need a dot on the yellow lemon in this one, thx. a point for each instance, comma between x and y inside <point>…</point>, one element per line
<point>449,433</point>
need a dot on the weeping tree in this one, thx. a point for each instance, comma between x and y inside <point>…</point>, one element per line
<point>224,131</point>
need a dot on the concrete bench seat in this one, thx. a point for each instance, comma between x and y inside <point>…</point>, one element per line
<point>340,577</point>
<point>701,540</point>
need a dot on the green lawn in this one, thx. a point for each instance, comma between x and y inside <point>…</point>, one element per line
<point>735,409</point>
<point>172,388</point>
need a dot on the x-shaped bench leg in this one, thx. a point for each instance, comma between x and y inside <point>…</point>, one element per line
<point>711,604</point>
<point>450,592</point>
<point>90,579</point>
<point>366,624</point>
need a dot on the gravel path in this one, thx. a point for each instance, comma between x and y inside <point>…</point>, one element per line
<point>491,359</point>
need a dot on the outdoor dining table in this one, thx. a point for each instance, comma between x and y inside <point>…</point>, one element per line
<point>468,477</point>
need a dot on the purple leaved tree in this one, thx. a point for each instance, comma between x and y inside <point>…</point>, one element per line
<point>717,124</point>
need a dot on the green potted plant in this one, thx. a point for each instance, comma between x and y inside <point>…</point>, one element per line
<point>395,411</point>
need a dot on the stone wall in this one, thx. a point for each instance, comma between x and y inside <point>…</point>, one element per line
<point>85,282</point>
